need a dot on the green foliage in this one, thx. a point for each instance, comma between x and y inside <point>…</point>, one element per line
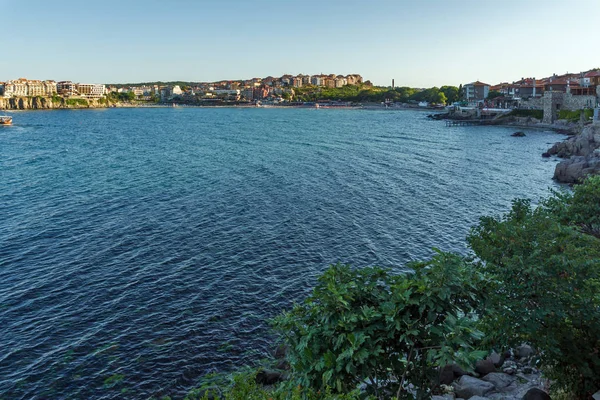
<point>492,94</point>
<point>539,114</point>
<point>452,93</point>
<point>243,386</point>
<point>77,102</point>
<point>575,116</point>
<point>387,330</point>
<point>544,287</point>
<point>362,93</point>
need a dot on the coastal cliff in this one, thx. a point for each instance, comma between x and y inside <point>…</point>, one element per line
<point>581,153</point>
<point>38,102</point>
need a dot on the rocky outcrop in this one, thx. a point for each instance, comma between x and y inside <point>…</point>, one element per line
<point>582,144</point>
<point>582,153</point>
<point>41,103</point>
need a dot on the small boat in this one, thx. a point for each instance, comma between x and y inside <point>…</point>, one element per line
<point>5,120</point>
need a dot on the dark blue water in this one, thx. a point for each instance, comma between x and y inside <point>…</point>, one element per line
<point>143,248</point>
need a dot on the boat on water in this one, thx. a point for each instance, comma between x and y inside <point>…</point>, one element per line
<point>5,120</point>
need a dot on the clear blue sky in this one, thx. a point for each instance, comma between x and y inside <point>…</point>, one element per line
<point>419,43</point>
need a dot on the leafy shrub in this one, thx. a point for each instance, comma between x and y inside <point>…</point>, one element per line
<point>544,272</point>
<point>243,386</point>
<point>369,326</point>
<point>77,102</point>
<point>539,114</point>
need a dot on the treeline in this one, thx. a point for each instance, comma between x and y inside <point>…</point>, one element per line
<point>362,93</point>
<point>534,278</point>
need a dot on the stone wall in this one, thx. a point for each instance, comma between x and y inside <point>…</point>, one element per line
<point>533,103</point>
<point>578,102</point>
<point>553,102</point>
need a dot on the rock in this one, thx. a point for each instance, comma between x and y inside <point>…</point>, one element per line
<point>546,155</point>
<point>596,396</point>
<point>283,365</point>
<point>509,371</point>
<point>518,134</point>
<point>479,398</point>
<point>524,351</point>
<point>502,382</point>
<point>575,169</point>
<point>446,375</point>
<point>280,351</point>
<point>536,394</point>
<point>484,367</point>
<point>498,359</point>
<point>444,397</point>
<point>468,386</point>
<point>266,377</point>
<point>449,373</point>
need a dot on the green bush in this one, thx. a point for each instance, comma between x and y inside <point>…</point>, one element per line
<point>77,102</point>
<point>538,114</point>
<point>543,267</point>
<point>389,331</point>
<point>243,386</point>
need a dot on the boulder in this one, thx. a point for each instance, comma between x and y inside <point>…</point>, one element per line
<point>536,394</point>
<point>449,373</point>
<point>575,169</point>
<point>518,134</point>
<point>524,350</point>
<point>484,367</point>
<point>502,382</point>
<point>468,386</point>
<point>267,377</point>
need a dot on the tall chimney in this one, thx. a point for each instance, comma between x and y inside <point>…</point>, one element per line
<point>534,87</point>
<point>392,84</point>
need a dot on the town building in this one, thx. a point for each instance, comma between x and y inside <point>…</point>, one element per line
<point>66,88</point>
<point>90,90</point>
<point>476,91</point>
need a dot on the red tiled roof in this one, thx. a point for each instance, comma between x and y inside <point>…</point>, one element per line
<point>592,74</point>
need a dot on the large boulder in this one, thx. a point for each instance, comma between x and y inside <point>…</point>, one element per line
<point>484,367</point>
<point>575,169</point>
<point>536,394</point>
<point>266,377</point>
<point>582,144</point>
<point>450,372</point>
<point>502,382</point>
<point>469,386</point>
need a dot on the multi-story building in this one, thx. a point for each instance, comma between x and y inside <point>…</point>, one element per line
<point>16,88</point>
<point>66,88</point>
<point>35,88</point>
<point>316,80</point>
<point>476,91</point>
<point>90,90</point>
<point>340,81</point>
<point>49,88</point>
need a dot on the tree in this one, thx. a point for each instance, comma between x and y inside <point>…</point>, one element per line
<point>452,93</point>
<point>544,275</point>
<point>390,330</point>
<point>440,98</point>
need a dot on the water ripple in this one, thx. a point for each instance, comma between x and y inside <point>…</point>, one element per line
<point>141,249</point>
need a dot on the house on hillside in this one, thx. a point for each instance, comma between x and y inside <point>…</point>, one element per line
<point>476,91</point>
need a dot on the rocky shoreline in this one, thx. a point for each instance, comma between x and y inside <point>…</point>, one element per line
<point>580,151</point>
<point>581,154</point>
